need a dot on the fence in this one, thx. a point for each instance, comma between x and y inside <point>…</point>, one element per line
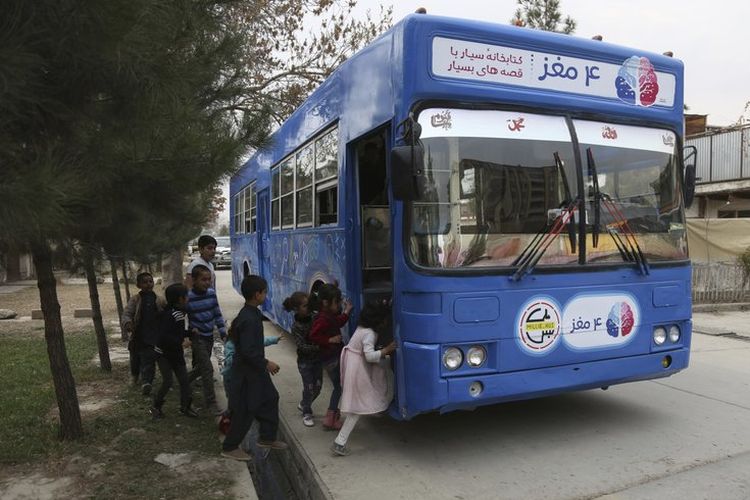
<point>719,282</point>
<point>722,156</point>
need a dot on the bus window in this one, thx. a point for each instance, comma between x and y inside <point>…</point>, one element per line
<point>326,204</point>
<point>275,201</point>
<point>490,186</point>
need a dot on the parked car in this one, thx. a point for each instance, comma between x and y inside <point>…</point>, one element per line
<point>223,257</point>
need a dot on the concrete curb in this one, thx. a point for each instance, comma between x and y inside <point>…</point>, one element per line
<point>734,306</point>
<point>301,473</point>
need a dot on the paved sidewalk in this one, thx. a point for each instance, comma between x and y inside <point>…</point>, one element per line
<point>722,322</point>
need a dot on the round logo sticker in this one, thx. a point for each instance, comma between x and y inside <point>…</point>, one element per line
<point>539,325</point>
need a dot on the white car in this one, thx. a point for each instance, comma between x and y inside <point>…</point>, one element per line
<point>223,257</point>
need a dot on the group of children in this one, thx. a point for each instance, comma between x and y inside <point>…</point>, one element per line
<point>160,330</point>
<point>356,370</point>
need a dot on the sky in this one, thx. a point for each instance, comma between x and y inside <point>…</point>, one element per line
<point>712,38</point>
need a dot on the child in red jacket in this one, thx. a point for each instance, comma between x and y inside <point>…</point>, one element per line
<point>326,333</point>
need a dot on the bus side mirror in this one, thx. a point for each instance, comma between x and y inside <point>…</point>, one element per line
<point>407,172</point>
<point>689,184</point>
<point>689,156</point>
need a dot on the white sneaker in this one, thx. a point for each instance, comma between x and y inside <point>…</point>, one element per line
<point>308,420</point>
<point>299,407</point>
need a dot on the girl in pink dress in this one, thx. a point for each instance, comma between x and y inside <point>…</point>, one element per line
<point>363,372</point>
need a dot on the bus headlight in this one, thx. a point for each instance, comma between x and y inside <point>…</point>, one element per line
<point>475,356</point>
<point>660,335</point>
<point>452,358</point>
<point>674,334</point>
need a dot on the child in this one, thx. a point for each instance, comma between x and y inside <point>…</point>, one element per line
<point>229,350</point>
<point>308,354</point>
<point>204,314</point>
<point>173,332</point>
<point>140,320</point>
<point>226,370</point>
<point>207,250</point>
<point>252,394</point>
<point>363,372</point>
<point>326,333</point>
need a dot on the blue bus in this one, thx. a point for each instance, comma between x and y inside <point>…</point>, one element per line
<point>518,194</point>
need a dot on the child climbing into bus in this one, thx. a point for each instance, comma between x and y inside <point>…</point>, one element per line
<point>308,354</point>
<point>363,372</point>
<point>172,338</point>
<point>326,333</point>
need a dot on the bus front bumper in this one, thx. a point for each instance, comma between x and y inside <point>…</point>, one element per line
<point>461,392</point>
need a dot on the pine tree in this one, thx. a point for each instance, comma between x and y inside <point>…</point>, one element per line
<point>543,15</point>
<point>119,119</point>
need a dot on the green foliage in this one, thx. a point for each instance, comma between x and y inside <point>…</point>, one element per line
<point>121,118</point>
<point>543,15</point>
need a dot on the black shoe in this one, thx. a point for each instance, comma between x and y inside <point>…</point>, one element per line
<point>156,413</point>
<point>189,412</point>
<point>146,389</point>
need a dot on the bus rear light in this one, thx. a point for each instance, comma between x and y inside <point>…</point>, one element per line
<point>660,335</point>
<point>476,356</point>
<point>452,358</point>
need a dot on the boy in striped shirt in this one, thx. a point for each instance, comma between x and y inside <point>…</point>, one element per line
<point>204,314</point>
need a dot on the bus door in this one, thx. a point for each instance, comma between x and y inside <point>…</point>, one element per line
<point>264,245</point>
<point>374,217</point>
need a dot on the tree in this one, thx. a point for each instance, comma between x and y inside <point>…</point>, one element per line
<point>293,45</point>
<point>543,15</point>
<point>69,69</point>
<point>118,120</point>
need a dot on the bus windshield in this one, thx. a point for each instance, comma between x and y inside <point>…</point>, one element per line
<point>496,179</point>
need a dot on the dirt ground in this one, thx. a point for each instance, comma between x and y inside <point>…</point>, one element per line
<point>118,457</point>
<point>70,297</point>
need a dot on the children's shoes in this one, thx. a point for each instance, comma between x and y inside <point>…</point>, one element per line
<point>307,419</point>
<point>331,422</point>
<point>339,449</point>
<point>189,412</point>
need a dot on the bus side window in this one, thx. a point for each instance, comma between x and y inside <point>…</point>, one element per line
<point>326,204</point>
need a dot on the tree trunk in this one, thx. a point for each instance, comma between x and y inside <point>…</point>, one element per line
<point>127,280</point>
<point>96,311</point>
<point>118,296</point>
<point>62,377</point>
<point>172,268</point>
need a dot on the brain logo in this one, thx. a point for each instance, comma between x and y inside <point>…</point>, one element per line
<point>636,82</point>
<point>620,320</point>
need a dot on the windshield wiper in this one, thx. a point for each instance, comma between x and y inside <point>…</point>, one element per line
<point>568,199</point>
<point>541,242</point>
<point>630,250</point>
<point>538,245</point>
